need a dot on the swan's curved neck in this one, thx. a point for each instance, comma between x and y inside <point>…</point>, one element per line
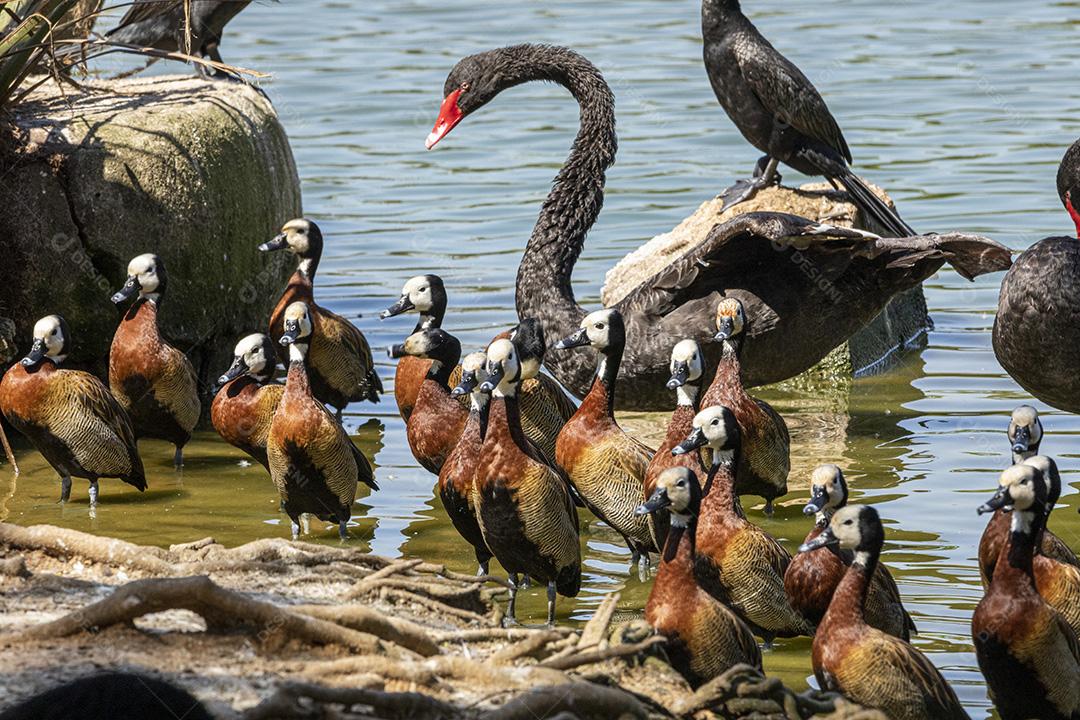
<point>544,289</point>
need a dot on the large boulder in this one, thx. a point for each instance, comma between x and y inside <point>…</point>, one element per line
<point>199,172</point>
<point>902,322</point>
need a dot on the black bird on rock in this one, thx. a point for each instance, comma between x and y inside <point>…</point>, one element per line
<point>161,24</point>
<point>780,112</point>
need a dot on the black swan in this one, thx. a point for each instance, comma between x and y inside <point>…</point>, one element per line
<point>780,112</point>
<point>1037,328</point>
<point>806,287</point>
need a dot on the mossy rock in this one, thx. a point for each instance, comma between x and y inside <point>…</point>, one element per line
<point>199,172</point>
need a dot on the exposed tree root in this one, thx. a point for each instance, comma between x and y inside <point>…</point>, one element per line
<point>400,632</point>
<point>287,702</point>
<point>581,700</point>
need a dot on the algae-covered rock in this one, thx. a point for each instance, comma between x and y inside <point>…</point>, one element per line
<point>198,172</point>
<point>902,322</point>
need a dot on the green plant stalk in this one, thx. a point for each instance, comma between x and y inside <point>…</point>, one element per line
<point>20,49</point>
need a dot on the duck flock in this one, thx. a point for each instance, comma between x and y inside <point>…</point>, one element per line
<point>518,460</point>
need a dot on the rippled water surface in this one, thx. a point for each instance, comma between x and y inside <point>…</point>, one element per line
<point>962,110</point>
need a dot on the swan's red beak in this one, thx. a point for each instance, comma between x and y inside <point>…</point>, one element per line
<point>1073,213</point>
<point>449,116</point>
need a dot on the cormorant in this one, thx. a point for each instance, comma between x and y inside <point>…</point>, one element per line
<point>779,112</point>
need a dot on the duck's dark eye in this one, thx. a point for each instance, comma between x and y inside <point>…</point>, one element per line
<point>847,522</point>
<point>715,422</point>
<point>599,326</point>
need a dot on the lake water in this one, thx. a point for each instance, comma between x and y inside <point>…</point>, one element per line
<point>961,110</point>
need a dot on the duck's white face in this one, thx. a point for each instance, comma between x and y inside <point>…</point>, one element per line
<point>1025,431</point>
<point>845,526</point>
<point>827,480</point>
<point>297,317</point>
<point>253,351</point>
<point>1019,481</point>
<point>597,326</point>
<point>50,332</point>
<point>297,235</point>
<point>687,353</point>
<point>418,290</point>
<point>144,268</point>
<point>676,483</point>
<point>712,424</point>
<point>730,318</point>
<point>502,357</point>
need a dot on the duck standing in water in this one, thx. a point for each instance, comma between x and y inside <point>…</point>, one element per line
<point>606,465</point>
<point>687,367</point>
<point>313,463</point>
<point>340,366</point>
<point>69,415</point>
<point>1026,650</point>
<point>437,419</point>
<point>426,295</point>
<point>457,479</point>
<point>248,397</point>
<point>869,666</point>
<point>704,637</point>
<point>734,560</point>
<point>812,578</point>
<point>524,507</point>
<point>153,381</point>
<point>1037,326</point>
<point>765,454</point>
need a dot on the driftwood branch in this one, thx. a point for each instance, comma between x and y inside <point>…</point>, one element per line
<point>285,703</point>
<point>7,450</point>
<point>584,701</point>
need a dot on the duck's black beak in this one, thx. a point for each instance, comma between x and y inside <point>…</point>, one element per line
<point>1000,500</point>
<point>1022,440</point>
<point>467,385</point>
<point>818,500</point>
<point>495,376</point>
<point>680,374</point>
<point>692,442</point>
<point>292,332</point>
<point>657,501</point>
<point>581,337</point>
<point>396,351</point>
<point>36,354</point>
<point>128,291</point>
<point>403,305</point>
<point>280,242</point>
<point>824,539</point>
<point>238,368</point>
<point>725,328</point>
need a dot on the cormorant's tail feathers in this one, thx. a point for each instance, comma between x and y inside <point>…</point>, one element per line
<point>869,203</point>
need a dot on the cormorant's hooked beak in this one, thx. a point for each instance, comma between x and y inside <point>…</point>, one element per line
<point>280,242</point>
<point>130,289</point>
<point>1022,441</point>
<point>467,385</point>
<point>657,501</point>
<point>581,337</point>
<point>36,354</point>
<point>692,442</point>
<point>725,329</point>
<point>680,375</point>
<point>495,376</point>
<point>826,538</point>
<point>1000,500</point>
<point>238,368</point>
<point>449,116</point>
<point>292,333</point>
<point>396,351</point>
<point>403,305</point>
<point>819,499</point>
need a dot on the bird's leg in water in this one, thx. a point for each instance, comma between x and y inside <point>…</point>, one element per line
<point>551,604</point>
<point>765,174</point>
<point>511,610</point>
<point>178,457</point>
<point>65,488</point>
<point>343,529</point>
<point>93,492</point>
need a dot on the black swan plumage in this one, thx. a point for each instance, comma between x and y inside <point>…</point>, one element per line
<point>806,287</point>
<point>1037,328</point>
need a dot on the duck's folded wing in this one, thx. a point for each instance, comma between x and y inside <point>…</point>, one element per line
<point>730,250</point>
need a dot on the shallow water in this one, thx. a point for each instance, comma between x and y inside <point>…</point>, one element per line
<point>962,110</point>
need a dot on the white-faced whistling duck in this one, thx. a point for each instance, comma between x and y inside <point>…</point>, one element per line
<point>871,667</point>
<point>1056,580</point>
<point>811,578</point>
<point>765,460</point>
<point>1025,437</point>
<point>458,475</point>
<point>426,295</point>
<point>1028,653</point>
<point>340,366</point>
<point>248,397</point>
<point>313,463</point>
<point>687,368</point>
<point>704,637</point>
<point>437,419</point>
<point>524,506</point>
<point>150,378</point>
<point>545,406</point>
<point>735,560</point>
<point>69,415</point>
<point>606,465</point>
